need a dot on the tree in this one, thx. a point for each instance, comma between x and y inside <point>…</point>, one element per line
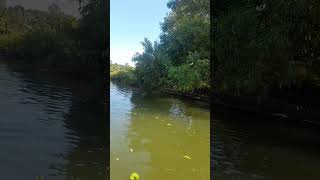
<point>151,66</point>
<point>186,29</point>
<point>255,43</point>
<point>180,60</point>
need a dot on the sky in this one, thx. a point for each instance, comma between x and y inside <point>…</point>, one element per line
<point>130,22</point>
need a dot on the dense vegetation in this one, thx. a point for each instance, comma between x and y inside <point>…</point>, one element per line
<point>56,40</point>
<point>263,46</point>
<point>258,48</point>
<point>180,61</point>
<point>122,73</point>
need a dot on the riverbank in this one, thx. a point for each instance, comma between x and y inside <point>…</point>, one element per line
<point>55,42</point>
<point>294,105</point>
<point>71,71</point>
<point>195,96</point>
<point>125,75</point>
<point>192,96</point>
<point>299,106</point>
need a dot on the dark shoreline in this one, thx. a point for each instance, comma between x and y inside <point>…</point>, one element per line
<point>56,71</point>
<point>296,108</point>
<point>57,76</point>
<point>197,97</point>
<point>274,108</point>
<point>281,108</point>
<point>277,108</point>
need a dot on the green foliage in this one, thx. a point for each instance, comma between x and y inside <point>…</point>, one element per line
<point>116,68</point>
<point>123,74</point>
<point>56,40</point>
<point>180,60</point>
<point>257,44</point>
<point>126,77</point>
<point>186,29</point>
<point>93,31</point>
<point>190,76</point>
<point>151,66</point>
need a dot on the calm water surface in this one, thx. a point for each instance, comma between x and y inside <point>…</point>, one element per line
<point>248,147</point>
<point>49,128</point>
<point>159,137</point>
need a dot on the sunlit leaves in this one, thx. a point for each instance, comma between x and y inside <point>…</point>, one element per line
<point>151,66</point>
<point>180,61</point>
<point>190,76</point>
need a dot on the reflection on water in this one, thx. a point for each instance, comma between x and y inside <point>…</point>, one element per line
<point>158,137</point>
<point>49,128</point>
<point>248,147</point>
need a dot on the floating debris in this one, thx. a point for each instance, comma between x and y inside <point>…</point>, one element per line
<point>157,117</point>
<point>134,176</point>
<point>117,159</point>
<point>187,157</point>
<point>169,124</point>
<point>131,150</point>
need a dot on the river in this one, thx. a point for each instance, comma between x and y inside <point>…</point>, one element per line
<point>49,127</point>
<point>55,128</point>
<point>248,147</point>
<point>157,136</point>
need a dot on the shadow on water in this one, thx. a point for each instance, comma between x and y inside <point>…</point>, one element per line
<point>67,118</point>
<point>88,159</point>
<point>248,146</point>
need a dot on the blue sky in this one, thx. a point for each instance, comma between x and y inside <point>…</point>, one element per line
<point>130,22</point>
